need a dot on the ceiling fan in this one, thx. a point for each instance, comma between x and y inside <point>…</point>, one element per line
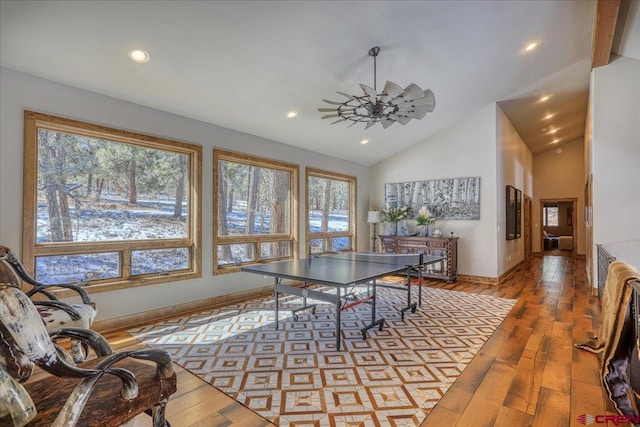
<point>394,104</point>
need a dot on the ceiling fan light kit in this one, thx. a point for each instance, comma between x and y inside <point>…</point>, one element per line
<point>394,104</point>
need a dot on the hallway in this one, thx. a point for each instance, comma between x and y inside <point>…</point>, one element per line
<point>529,373</point>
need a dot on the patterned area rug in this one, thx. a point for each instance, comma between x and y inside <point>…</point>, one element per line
<point>294,376</point>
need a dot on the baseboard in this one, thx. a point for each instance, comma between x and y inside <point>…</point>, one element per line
<point>490,280</point>
<point>478,279</point>
<point>509,272</point>
<point>137,319</point>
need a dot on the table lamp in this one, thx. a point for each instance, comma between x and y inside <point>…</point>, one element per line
<point>373,217</point>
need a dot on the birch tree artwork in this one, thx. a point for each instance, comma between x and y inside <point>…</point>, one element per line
<point>446,199</point>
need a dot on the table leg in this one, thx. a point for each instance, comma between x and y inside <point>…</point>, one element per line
<point>410,306</point>
<point>338,317</point>
<point>295,311</point>
<point>373,302</point>
<point>409,286</point>
<point>277,281</point>
<point>419,286</point>
<point>380,322</point>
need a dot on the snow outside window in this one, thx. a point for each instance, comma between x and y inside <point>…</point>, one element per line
<point>105,206</point>
<point>330,211</point>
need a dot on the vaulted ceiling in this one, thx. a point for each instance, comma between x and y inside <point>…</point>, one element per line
<point>245,64</point>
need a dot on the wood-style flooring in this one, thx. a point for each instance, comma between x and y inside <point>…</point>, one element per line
<point>527,374</point>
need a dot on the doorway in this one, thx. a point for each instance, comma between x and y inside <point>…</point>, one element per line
<point>558,232</point>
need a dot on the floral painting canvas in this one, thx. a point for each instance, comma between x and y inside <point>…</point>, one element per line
<point>447,199</point>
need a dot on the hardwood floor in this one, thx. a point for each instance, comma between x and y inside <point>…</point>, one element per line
<point>527,374</point>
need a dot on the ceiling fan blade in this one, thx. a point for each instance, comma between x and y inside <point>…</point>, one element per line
<point>429,100</point>
<point>369,124</point>
<point>332,102</point>
<point>410,106</point>
<point>387,122</point>
<point>338,121</point>
<point>417,108</point>
<point>327,110</point>
<point>328,116</point>
<point>392,89</point>
<point>413,91</point>
<point>352,124</point>
<point>347,95</point>
<point>414,113</point>
<point>373,96</point>
<point>419,114</point>
<point>425,100</point>
<point>403,120</point>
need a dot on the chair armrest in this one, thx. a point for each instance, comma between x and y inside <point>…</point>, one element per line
<point>44,289</point>
<point>87,337</point>
<point>59,305</point>
<point>76,402</point>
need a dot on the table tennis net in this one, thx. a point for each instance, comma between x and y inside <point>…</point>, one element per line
<point>378,258</point>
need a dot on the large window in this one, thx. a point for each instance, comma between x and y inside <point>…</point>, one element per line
<point>550,216</point>
<point>330,211</point>
<point>109,207</point>
<point>255,210</point>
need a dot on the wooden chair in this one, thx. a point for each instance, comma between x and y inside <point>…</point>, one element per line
<point>54,313</point>
<point>107,390</point>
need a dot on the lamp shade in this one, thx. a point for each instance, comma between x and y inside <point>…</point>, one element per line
<point>373,217</point>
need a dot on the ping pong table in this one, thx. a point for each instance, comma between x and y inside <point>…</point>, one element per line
<point>340,274</point>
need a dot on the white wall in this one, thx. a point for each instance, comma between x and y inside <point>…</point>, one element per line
<point>23,92</point>
<point>466,149</point>
<point>614,145</point>
<point>515,169</point>
<point>560,176</point>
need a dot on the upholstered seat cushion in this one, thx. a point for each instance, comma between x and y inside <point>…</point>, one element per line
<point>55,318</point>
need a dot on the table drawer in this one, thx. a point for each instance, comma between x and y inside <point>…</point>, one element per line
<point>437,244</point>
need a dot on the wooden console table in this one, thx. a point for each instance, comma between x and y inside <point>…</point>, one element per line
<point>447,269</point>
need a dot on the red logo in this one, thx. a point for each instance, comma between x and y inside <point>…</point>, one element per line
<point>616,420</point>
<point>586,419</point>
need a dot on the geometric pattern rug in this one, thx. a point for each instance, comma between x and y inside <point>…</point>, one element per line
<point>295,377</point>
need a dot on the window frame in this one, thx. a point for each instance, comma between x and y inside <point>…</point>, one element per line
<point>124,248</point>
<point>546,216</point>
<point>255,239</point>
<point>328,236</point>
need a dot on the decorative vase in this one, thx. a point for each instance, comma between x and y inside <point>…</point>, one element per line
<point>394,229</point>
<point>437,232</point>
<point>423,230</point>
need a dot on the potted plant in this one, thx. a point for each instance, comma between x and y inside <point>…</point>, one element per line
<point>423,219</point>
<point>393,215</point>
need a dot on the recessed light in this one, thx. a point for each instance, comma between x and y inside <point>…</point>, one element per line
<point>558,150</point>
<point>553,130</point>
<point>364,141</point>
<point>555,141</point>
<point>292,114</point>
<point>140,56</point>
<point>531,46</point>
<point>548,116</point>
<point>544,98</point>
